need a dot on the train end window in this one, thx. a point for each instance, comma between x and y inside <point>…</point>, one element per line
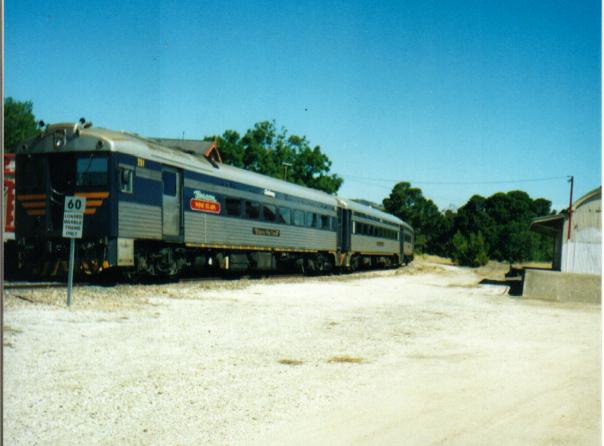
<point>91,171</point>
<point>126,179</point>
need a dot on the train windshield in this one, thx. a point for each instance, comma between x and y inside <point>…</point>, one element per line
<point>91,171</point>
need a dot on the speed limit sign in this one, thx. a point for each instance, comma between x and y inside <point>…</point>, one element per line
<point>73,216</point>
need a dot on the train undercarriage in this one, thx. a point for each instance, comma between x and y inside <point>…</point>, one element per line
<point>48,259</point>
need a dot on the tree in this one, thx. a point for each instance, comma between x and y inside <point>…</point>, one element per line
<point>409,204</point>
<point>503,220</point>
<point>264,150</point>
<point>469,250</point>
<point>19,123</point>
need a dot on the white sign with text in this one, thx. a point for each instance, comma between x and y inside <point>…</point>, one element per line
<point>73,216</point>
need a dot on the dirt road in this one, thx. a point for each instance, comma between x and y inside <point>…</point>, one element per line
<point>411,357</point>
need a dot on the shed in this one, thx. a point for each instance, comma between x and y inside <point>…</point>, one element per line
<point>580,250</point>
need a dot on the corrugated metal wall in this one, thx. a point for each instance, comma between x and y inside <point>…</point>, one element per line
<point>583,252</point>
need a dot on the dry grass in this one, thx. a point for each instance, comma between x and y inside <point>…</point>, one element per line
<point>434,259</point>
<point>291,362</point>
<point>346,359</point>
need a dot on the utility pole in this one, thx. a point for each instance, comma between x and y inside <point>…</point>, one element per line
<point>571,180</point>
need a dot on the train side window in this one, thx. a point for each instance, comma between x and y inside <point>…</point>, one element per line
<point>233,206</point>
<point>169,180</point>
<point>284,216</point>
<point>311,219</point>
<point>126,179</point>
<point>252,210</point>
<point>324,221</point>
<point>269,212</point>
<point>298,217</point>
<point>317,222</point>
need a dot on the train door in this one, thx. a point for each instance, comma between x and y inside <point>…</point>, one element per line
<point>171,203</point>
<point>344,229</point>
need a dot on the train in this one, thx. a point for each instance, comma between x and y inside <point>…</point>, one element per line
<point>166,207</point>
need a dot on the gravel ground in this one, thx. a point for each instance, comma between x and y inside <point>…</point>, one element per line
<point>421,355</point>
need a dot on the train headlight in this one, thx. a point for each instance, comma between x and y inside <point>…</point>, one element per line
<point>59,139</point>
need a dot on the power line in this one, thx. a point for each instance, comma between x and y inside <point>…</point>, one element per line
<point>457,183</point>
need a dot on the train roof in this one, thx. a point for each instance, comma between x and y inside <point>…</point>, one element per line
<point>372,212</point>
<point>77,137</point>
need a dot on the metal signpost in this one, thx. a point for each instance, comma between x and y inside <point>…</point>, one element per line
<point>73,220</point>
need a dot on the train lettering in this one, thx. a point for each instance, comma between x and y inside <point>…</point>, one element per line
<point>213,207</point>
<point>268,232</point>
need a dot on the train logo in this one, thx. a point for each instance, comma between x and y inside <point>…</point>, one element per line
<point>204,203</point>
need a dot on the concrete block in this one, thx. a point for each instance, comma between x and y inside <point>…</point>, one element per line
<point>562,287</point>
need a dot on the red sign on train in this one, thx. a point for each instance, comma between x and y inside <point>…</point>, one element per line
<point>198,205</point>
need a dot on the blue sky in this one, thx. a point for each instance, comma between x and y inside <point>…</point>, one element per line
<point>439,93</point>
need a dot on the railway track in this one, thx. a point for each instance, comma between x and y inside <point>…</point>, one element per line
<point>204,279</point>
<point>33,285</point>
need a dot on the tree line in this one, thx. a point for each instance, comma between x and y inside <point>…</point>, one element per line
<point>495,227</point>
<point>484,228</point>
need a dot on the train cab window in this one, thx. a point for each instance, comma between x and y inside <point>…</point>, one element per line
<point>169,180</point>
<point>298,218</point>
<point>269,212</point>
<point>233,206</point>
<point>252,210</point>
<point>126,179</point>
<point>284,216</point>
<point>91,171</point>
